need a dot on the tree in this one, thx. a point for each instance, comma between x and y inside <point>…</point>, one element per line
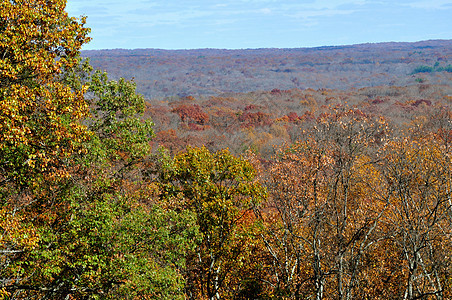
<point>325,206</point>
<point>40,117</point>
<point>221,191</point>
<point>418,176</point>
<point>38,113</point>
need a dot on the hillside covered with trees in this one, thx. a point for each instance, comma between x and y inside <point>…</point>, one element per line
<point>162,73</point>
<point>336,187</point>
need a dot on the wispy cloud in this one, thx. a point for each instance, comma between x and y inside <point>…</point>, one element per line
<point>265,11</point>
<point>180,18</point>
<point>431,4</point>
<point>331,5</point>
<point>310,13</point>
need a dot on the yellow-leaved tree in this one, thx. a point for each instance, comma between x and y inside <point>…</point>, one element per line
<point>39,115</point>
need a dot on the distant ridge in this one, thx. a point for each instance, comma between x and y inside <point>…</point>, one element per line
<point>424,43</point>
<point>161,73</point>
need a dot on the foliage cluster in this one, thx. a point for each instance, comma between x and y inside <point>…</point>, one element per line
<point>435,68</point>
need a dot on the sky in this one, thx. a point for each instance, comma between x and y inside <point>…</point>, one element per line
<point>243,24</point>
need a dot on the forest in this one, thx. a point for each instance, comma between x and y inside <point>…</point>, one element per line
<point>304,185</point>
<point>164,73</point>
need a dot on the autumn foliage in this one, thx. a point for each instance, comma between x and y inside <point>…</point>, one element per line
<point>286,194</point>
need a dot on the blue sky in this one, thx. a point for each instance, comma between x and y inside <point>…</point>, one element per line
<point>240,24</point>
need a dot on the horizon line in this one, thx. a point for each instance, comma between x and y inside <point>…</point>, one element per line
<point>270,48</point>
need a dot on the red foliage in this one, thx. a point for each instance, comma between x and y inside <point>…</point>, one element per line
<point>250,107</point>
<point>191,114</point>
<point>252,119</point>
<point>293,117</point>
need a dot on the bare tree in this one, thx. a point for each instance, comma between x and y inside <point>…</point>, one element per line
<point>418,178</point>
<point>325,193</point>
